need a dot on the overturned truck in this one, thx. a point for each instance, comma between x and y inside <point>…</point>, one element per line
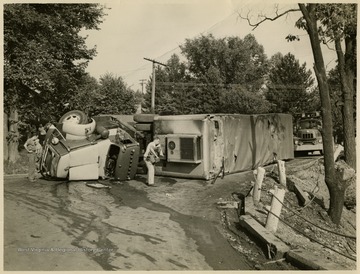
<point>199,146</point>
<point>79,148</point>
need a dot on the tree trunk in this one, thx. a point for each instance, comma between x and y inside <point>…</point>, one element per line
<point>347,78</point>
<point>13,142</point>
<point>336,197</point>
<point>344,175</point>
<point>5,132</point>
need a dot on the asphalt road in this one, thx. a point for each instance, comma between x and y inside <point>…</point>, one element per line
<point>55,225</point>
<point>69,226</point>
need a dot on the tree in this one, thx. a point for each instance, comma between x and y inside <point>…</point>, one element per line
<point>229,67</point>
<point>44,58</point>
<point>312,14</point>
<point>336,104</point>
<point>84,97</point>
<point>237,61</point>
<point>113,97</point>
<point>239,100</point>
<point>290,86</point>
<point>336,187</point>
<point>212,67</point>
<point>339,23</point>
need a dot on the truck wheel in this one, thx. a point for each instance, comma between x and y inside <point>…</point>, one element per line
<point>144,118</point>
<point>79,129</point>
<point>74,116</point>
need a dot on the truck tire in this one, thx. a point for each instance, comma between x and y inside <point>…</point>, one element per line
<point>74,116</point>
<point>143,127</point>
<point>144,118</point>
<point>79,129</point>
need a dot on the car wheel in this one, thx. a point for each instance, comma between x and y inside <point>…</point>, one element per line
<point>74,116</point>
<point>79,129</point>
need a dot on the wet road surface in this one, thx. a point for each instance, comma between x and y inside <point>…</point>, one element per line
<point>55,225</point>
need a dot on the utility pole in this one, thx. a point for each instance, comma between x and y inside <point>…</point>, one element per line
<point>153,83</point>
<point>142,83</point>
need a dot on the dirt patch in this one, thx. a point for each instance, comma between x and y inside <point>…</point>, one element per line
<point>301,226</point>
<point>309,227</point>
<point>184,202</point>
<point>193,203</point>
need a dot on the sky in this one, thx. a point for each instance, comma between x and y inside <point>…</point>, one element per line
<point>154,29</point>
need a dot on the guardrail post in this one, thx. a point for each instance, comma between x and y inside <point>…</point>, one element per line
<point>257,186</point>
<point>275,210</point>
<point>282,173</point>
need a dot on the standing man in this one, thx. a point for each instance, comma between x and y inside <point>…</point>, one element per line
<point>38,152</point>
<point>31,147</point>
<point>151,156</point>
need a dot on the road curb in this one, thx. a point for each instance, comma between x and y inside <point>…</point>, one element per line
<point>278,249</point>
<point>306,261</point>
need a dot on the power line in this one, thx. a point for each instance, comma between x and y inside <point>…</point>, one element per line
<point>190,84</point>
<point>133,71</point>
<point>214,25</point>
<point>210,28</point>
<point>201,33</point>
<point>284,87</point>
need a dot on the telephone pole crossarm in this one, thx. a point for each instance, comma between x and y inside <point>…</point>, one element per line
<point>154,61</point>
<point>153,82</point>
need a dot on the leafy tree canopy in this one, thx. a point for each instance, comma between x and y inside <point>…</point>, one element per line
<point>236,60</point>
<point>239,100</point>
<point>290,86</point>
<point>212,66</point>
<point>113,97</point>
<point>44,55</point>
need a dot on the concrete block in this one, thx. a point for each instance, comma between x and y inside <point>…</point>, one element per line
<point>228,204</point>
<point>301,195</point>
<point>309,261</point>
<point>276,248</point>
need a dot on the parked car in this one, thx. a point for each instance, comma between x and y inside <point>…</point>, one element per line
<point>79,148</point>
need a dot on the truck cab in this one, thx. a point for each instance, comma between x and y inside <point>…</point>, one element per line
<point>307,131</point>
<point>97,155</point>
